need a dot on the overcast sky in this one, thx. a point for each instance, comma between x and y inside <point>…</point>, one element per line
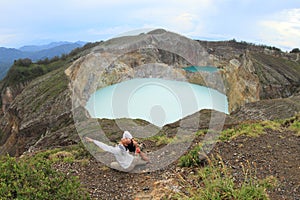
<point>269,22</point>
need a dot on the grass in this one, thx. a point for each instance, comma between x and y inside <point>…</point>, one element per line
<point>256,129</point>
<point>249,129</point>
<point>55,84</point>
<point>215,182</point>
<point>162,139</point>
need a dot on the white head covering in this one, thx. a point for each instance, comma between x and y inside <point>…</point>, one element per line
<point>126,134</point>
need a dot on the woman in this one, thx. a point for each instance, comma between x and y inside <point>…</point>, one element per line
<point>132,146</point>
<point>125,161</point>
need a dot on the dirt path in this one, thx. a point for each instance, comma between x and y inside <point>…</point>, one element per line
<point>274,154</point>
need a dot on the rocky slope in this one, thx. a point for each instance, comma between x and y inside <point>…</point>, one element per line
<point>42,109</point>
<point>41,116</point>
<point>272,154</point>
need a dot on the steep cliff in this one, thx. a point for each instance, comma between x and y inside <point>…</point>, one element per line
<point>279,75</point>
<point>42,109</point>
<point>41,116</point>
<point>252,73</point>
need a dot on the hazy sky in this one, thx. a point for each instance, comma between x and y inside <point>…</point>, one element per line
<point>269,22</point>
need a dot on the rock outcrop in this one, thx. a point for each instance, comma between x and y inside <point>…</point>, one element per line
<point>7,98</point>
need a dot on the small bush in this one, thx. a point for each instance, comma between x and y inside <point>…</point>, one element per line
<point>192,158</point>
<point>292,124</point>
<point>296,127</point>
<point>35,179</point>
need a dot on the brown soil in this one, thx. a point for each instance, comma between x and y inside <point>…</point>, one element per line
<point>276,153</point>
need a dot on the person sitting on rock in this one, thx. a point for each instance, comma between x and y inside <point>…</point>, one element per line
<point>132,146</point>
<point>125,161</point>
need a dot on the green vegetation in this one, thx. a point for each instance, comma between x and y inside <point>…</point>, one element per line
<point>161,139</point>
<point>295,127</point>
<point>214,181</point>
<point>24,70</point>
<point>50,89</point>
<point>292,124</point>
<point>193,158</point>
<point>256,129</point>
<point>250,129</point>
<point>32,177</point>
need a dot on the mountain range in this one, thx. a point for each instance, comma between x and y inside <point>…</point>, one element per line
<point>34,52</point>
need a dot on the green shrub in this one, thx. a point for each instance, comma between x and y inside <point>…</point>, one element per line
<point>296,127</point>
<point>293,124</point>
<point>192,158</point>
<point>35,179</point>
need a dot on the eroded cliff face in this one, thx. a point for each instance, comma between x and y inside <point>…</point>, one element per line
<point>9,93</point>
<point>41,116</point>
<point>279,75</point>
<point>253,73</point>
<point>242,83</point>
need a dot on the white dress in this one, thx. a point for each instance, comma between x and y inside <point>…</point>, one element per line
<point>123,157</point>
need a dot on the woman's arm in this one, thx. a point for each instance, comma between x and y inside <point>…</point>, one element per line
<point>103,146</point>
<point>137,147</point>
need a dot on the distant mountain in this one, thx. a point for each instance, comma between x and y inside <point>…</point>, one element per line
<point>34,48</point>
<point>34,52</point>
<point>54,51</point>
<point>4,67</point>
<point>6,54</point>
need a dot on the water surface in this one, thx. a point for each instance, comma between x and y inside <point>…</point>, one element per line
<point>201,68</point>
<point>157,101</point>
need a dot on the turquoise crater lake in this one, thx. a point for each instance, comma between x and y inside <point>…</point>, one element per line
<point>157,101</point>
<point>201,69</point>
